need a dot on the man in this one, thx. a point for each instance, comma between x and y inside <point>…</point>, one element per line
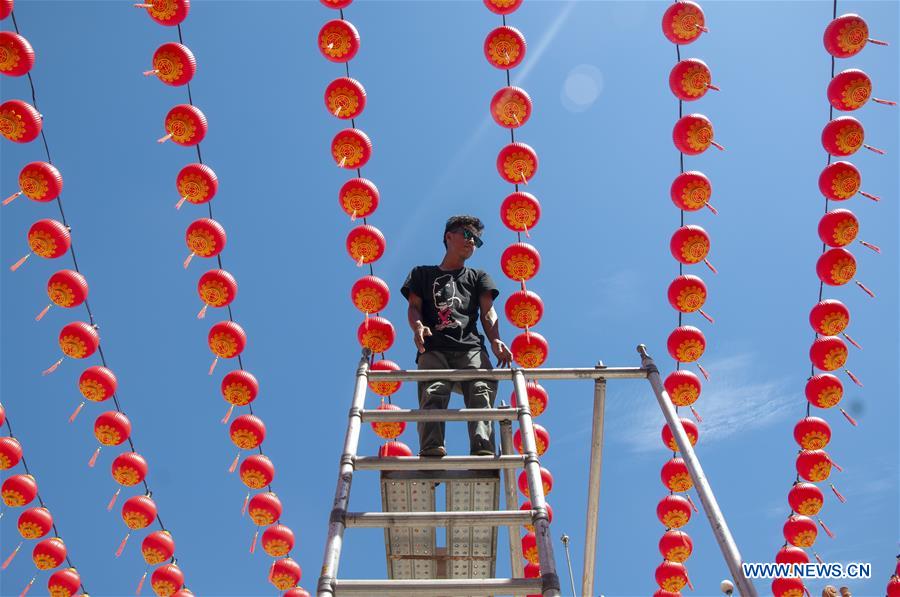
<point>444,301</point>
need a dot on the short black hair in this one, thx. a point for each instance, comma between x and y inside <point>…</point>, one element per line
<point>456,222</point>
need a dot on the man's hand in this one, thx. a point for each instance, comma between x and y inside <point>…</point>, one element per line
<point>501,351</point>
<point>419,335</point>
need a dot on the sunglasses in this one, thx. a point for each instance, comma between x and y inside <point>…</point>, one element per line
<point>469,235</point>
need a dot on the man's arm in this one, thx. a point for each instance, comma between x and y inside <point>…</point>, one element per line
<point>491,325</point>
<point>414,316</point>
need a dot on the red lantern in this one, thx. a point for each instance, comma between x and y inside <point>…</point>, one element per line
<point>800,531</point>
<point>843,136</point>
<point>10,452</point>
<point>351,149</point>
<point>157,547</point>
<point>394,449</point>
<point>673,511</point>
<point>138,512</point>
<point>285,573</point>
<point>278,540</point>
<point>849,89</point>
<point>788,587</point>
<point>686,344</point>
<point>687,294</point>
<point>97,383</point>
<point>691,190</point>
<point>112,428</point>
<point>546,482</point>
<point>675,475</point>
<point>676,546</point>
<point>690,79</point>
<point>338,40</point>
<point>173,64</point>
<point>683,387</point>
<point>824,390</point>
<point>257,471</point>
<point>683,22</point>
<point>532,570</point>
<point>239,388</point>
<point>48,239</point>
<point>370,294</point>
<point>893,586</point>
<point>520,262</point>
<point>167,12</point>
<point>524,309</point>
<point>840,181</point>
<point>6,7</point>
<point>185,125</point>
<point>689,245</point>
<point>541,440</point>
<point>34,523</point>
<point>264,509</point>
<point>838,228</point>
<point>504,47</point>
<point>537,398</point>
<point>19,121</point>
<point>384,388</point>
<point>226,340</point>
<point>336,4</point>
<point>526,505</point>
<point>693,134</point>
<point>129,469</point>
<point>376,333</point>
<point>298,591</point>
<point>78,340</point>
<point>18,490</point>
<point>511,107</point>
<point>64,583</point>
<point>358,197</point>
<point>205,238</point>
<point>662,593</point>
<point>529,548</point>
<point>689,427</point>
<point>2,415</point>
<point>517,163</point>
<point>345,98</point>
<point>67,288</point>
<point>529,350</point>
<point>49,553</point>
<point>847,35</point>
<point>836,267</point>
<point>503,7</point>
<point>16,54</point>
<point>805,499</point>
<point>671,576</point>
<point>39,181</point>
<point>388,430</point>
<point>365,244</point>
<point>791,555</point>
<point>520,211</point>
<point>828,353</point>
<point>197,184</point>
<point>247,432</point>
<point>814,466</point>
<point>812,433</point>
<point>167,580</point>
<point>829,317</point>
<point>217,288</point>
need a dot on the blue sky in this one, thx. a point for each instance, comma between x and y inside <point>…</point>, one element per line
<point>597,73</point>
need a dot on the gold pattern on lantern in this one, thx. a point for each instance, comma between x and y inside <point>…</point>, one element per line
<point>214,293</point>
<point>829,397</point>
<point>42,243</point>
<point>519,267</point>
<point>518,165</point>
<point>349,149</point>
<point>675,519</point>
<point>364,247</point>
<point>31,530</point>
<point>61,294</point>
<point>169,66</point>
<point>388,430</point>
<point>504,49</point>
<point>678,554</point>
<point>689,351</point>
<point>108,436</point>
<point>524,314</point>
<point>673,584</point>
<point>819,471</point>
<point>833,323</point>
<point>814,440</point>
<point>237,394</point>
<point>849,138</point>
<point>845,231</point>
<point>43,561</point>
<point>193,187</point>
<point>843,270</point>
<point>153,556</point>
<point>344,97</point>
<point>277,547</point>
<point>684,395</point>
<point>73,346</point>
<point>135,520</point>
<point>695,194</point>
<point>5,462</point>
<point>856,93</point>
<point>13,498</point>
<point>695,80</point>
<point>835,358</point>
<point>11,125</point>
<point>254,479</point>
<point>182,126</point>
<point>531,554</point>
<point>845,184</point>
<point>283,582</point>
<point>375,340</point>
<point>680,482</point>
<point>792,593</point>
<point>369,300</point>
<point>502,4</point>
<point>261,517</point>
<point>694,248</point>
<point>853,36</point>
<point>33,184</point>
<point>512,110</point>
<point>686,23</point>
<point>224,344</point>
<point>690,299</point>
<point>92,390</point>
<point>530,357</point>
<point>804,539</point>
<point>202,242</point>
<point>357,200</point>
<point>691,437</point>
<point>162,587</point>
<point>809,507</point>
<point>126,475</point>
<point>521,214</point>
<point>338,38</point>
<point>244,439</point>
<point>163,9</point>
<point>699,135</point>
<point>9,57</point>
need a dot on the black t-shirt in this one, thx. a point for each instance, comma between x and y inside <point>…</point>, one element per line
<point>450,304</point>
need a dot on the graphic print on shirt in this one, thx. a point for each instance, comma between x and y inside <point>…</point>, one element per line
<point>445,298</point>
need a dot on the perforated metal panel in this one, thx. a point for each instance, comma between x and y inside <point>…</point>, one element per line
<point>409,495</point>
<point>477,544</point>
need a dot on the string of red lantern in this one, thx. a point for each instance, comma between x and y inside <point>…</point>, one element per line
<point>517,163</point>
<point>848,90</point>
<point>42,182</point>
<point>174,65</point>
<point>345,99</point>
<point>689,80</point>
<point>893,586</point>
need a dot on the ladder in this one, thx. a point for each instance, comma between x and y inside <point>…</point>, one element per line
<point>410,517</point>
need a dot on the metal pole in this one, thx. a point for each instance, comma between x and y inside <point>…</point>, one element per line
<point>593,504</point>
<point>512,500</point>
<point>505,374</point>
<point>536,490</point>
<point>704,490</point>
<point>336,525</point>
<point>565,542</point>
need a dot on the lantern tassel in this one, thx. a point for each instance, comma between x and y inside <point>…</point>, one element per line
<point>523,285</point>
<point>337,110</point>
<point>9,559</point>
<point>19,263</point>
<point>713,87</point>
<point>180,202</point>
<point>705,316</point>
<point>852,341</point>
<point>716,145</point>
<point>875,149</point>
<point>704,30</point>
<point>52,367</point>
<point>9,199</point>
<point>825,528</point>
<point>696,415</point>
<point>93,459</point>
<point>28,587</point>
<point>870,196</point>
<point>849,418</point>
<point>691,502</point>
<point>525,228</point>
<point>712,209</point>
<point>524,180</point>
<point>366,320</point>
<point>864,289</point>
<point>40,315</point>
<point>227,414</point>
<point>342,162</point>
<point>688,579</point>
<point>516,118</point>
<point>141,584</point>
<point>353,216</point>
<point>187,261</point>
<point>76,411</point>
<point>148,73</point>
<point>202,312</point>
<point>164,139</point>
<point>884,101</point>
<point>272,570</point>
<point>359,262</point>
<point>213,366</point>
<point>835,464</point>
<point>837,494</point>
<point>818,558</point>
<point>234,463</point>
<point>710,266</point>
<point>331,45</point>
<point>112,502</point>
<point>853,377</point>
<point>870,246</point>
<point>878,42</point>
<point>253,545</point>
<point>246,502</point>
<point>143,6</point>
<point>122,545</point>
<point>703,371</point>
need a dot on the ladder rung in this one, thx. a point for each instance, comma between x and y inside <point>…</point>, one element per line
<point>438,519</point>
<point>417,463</point>
<point>473,586</point>
<point>462,414</point>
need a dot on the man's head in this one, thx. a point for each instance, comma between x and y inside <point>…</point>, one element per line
<point>462,235</point>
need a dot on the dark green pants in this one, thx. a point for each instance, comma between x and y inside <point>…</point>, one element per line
<point>476,394</point>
